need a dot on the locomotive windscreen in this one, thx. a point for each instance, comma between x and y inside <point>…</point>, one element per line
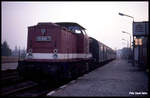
<point>74,27</point>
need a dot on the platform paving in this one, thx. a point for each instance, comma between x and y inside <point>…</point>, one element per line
<point>117,78</point>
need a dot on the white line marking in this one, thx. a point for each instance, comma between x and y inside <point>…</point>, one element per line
<point>85,74</point>
<point>81,77</point>
<point>63,86</point>
<point>52,92</point>
<point>72,81</point>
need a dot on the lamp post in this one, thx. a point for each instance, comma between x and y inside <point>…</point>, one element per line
<point>127,42</point>
<point>129,35</point>
<point>124,44</point>
<point>121,14</point>
<point>127,50</point>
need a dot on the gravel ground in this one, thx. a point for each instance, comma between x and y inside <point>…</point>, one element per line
<point>117,78</point>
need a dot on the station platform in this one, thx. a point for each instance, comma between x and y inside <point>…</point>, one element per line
<point>117,78</point>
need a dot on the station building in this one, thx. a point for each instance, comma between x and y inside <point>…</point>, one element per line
<point>141,44</point>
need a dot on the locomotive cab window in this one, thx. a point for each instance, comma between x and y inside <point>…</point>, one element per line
<point>78,31</point>
<point>84,32</point>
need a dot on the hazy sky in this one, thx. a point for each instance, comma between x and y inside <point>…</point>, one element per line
<point>101,19</point>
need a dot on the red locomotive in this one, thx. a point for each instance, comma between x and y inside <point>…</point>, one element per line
<point>55,43</point>
<point>57,51</point>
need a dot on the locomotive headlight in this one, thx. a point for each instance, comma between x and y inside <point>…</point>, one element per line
<point>55,50</point>
<point>55,53</point>
<point>29,54</point>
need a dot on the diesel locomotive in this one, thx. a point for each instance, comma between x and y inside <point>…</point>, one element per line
<point>61,51</point>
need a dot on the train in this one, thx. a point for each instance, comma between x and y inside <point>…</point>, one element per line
<point>61,51</point>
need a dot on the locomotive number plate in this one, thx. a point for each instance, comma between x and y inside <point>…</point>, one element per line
<point>43,38</point>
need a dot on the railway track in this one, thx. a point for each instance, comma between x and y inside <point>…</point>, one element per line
<point>34,90</point>
<point>26,88</point>
<point>17,88</point>
<point>14,85</point>
<point>10,77</point>
<point>8,72</point>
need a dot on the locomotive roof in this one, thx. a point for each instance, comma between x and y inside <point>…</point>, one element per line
<point>67,24</point>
